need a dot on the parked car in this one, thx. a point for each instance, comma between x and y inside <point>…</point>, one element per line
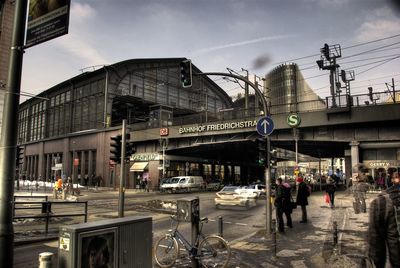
<point>183,183</point>
<point>163,184</point>
<point>214,185</point>
<point>235,196</point>
<point>259,189</point>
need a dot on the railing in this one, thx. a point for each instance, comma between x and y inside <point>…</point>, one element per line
<point>340,101</point>
<point>46,210</point>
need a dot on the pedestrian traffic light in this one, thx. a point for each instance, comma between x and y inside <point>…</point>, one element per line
<point>262,152</point>
<point>19,156</point>
<point>325,51</point>
<point>115,149</point>
<point>186,73</point>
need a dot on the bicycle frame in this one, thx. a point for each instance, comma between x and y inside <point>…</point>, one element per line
<point>192,249</point>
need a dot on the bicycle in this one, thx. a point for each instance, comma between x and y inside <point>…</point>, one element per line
<point>213,250</point>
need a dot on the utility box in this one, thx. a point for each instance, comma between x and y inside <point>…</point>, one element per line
<point>114,243</point>
<point>188,209</point>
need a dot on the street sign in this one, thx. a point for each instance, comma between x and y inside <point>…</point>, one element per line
<point>293,120</point>
<point>265,126</point>
<point>76,161</point>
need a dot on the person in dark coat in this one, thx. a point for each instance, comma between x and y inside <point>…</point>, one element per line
<point>302,198</point>
<point>330,190</point>
<point>359,188</point>
<point>383,230</point>
<point>283,204</point>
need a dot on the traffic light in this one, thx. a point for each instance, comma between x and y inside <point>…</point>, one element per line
<point>19,159</point>
<point>130,149</point>
<point>115,149</point>
<point>186,73</point>
<point>325,51</point>
<point>262,152</point>
<point>370,93</point>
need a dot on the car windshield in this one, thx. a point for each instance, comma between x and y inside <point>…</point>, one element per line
<point>229,189</point>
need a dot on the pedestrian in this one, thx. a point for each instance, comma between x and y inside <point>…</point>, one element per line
<point>303,193</point>
<point>86,178</point>
<point>148,183</point>
<point>384,227</point>
<point>330,190</point>
<point>283,204</point>
<point>359,188</point>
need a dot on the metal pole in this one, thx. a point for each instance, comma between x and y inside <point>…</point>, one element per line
<point>163,158</point>
<point>46,260</point>
<point>394,91</point>
<point>274,237</point>
<point>220,226</point>
<point>320,175</point>
<point>268,187</point>
<point>9,131</point>
<point>122,177</point>
<point>296,141</point>
<point>267,167</point>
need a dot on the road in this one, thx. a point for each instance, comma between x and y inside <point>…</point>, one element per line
<point>238,221</point>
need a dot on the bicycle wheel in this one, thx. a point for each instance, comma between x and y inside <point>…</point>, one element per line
<point>214,251</point>
<point>166,251</point>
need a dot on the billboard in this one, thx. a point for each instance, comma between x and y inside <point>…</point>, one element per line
<point>47,19</point>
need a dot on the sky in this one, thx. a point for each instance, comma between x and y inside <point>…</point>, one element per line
<point>255,35</point>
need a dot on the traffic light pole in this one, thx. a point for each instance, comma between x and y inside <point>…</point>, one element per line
<point>268,142</point>
<point>8,139</point>
<point>121,200</point>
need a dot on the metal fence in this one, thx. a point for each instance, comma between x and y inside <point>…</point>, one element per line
<point>46,208</point>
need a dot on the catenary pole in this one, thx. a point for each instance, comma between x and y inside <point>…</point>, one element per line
<point>268,142</point>
<point>8,138</point>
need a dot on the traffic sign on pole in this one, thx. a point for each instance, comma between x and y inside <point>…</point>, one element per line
<point>265,126</point>
<point>293,120</point>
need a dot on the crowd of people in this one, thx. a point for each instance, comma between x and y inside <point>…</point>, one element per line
<point>383,239</point>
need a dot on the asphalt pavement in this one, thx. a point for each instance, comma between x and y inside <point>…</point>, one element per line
<point>309,244</point>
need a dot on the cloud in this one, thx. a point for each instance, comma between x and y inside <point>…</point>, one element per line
<point>242,43</point>
<point>381,23</point>
<point>77,42</point>
<point>329,3</point>
<point>80,12</point>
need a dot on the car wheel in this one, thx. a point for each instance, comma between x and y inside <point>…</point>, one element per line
<point>247,205</point>
<point>217,206</point>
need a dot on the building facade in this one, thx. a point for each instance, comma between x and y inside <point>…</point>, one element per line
<point>67,131</point>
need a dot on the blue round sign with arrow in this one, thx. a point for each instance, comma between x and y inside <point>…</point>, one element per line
<point>265,126</point>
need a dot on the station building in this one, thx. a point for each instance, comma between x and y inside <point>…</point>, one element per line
<point>66,129</point>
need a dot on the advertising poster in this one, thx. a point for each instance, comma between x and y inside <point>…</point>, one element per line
<point>98,249</point>
<point>47,19</point>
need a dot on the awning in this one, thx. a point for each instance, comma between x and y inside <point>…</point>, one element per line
<point>139,166</point>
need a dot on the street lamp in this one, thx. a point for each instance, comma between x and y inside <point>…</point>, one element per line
<point>267,139</point>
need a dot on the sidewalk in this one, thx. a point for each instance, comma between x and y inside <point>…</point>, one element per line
<point>311,244</point>
<point>306,245</point>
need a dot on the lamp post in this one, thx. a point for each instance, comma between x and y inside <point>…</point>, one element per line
<point>268,144</point>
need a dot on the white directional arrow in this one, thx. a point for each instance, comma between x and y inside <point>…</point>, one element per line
<point>265,124</point>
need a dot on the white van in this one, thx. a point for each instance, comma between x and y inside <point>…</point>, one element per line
<point>184,184</point>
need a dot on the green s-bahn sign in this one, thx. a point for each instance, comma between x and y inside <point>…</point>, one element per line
<point>293,120</point>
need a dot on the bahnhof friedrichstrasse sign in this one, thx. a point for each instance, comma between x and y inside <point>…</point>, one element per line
<point>218,127</point>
